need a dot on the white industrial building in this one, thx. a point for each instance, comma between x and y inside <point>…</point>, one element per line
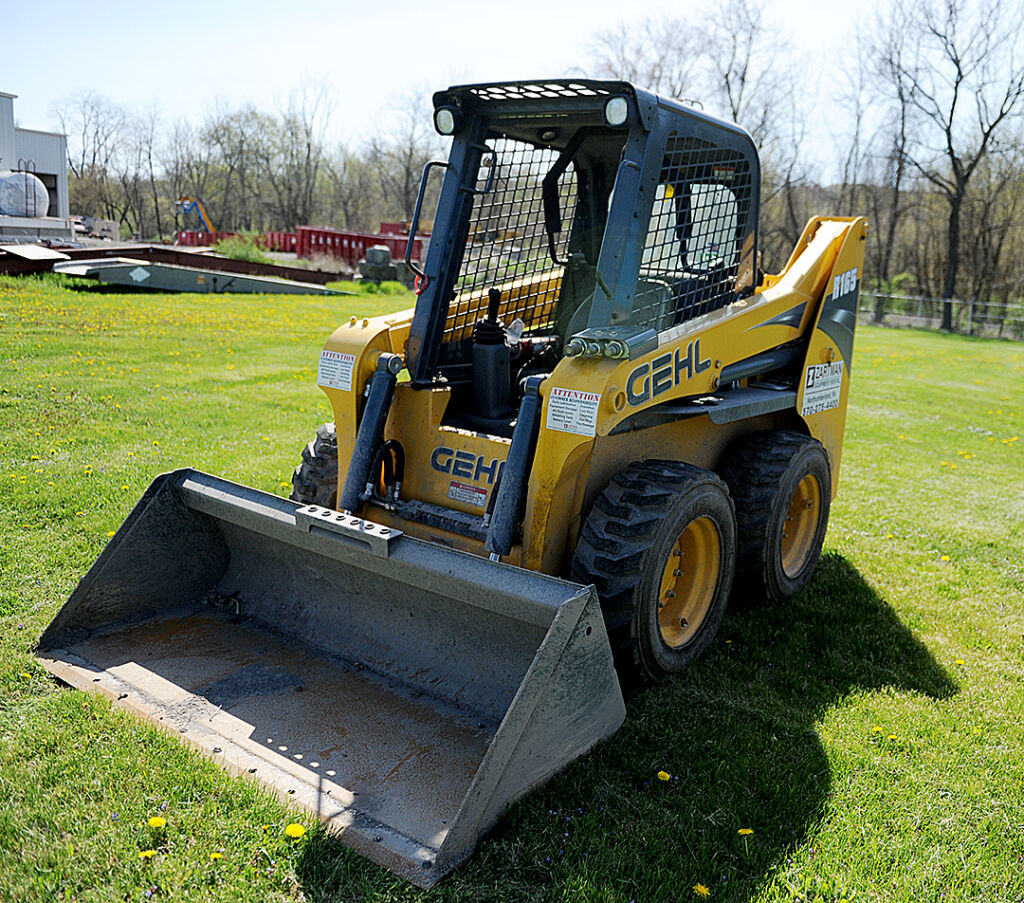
<point>45,155</point>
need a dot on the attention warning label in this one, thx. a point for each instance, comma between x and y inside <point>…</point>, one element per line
<point>822,387</point>
<point>335,370</point>
<point>571,411</point>
<point>468,495</point>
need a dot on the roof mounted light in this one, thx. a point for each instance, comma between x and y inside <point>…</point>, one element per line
<point>448,120</point>
<point>616,111</point>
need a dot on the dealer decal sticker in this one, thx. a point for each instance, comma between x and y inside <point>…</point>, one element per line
<point>335,370</point>
<point>822,386</point>
<point>572,411</point>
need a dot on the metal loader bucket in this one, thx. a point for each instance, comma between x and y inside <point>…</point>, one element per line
<point>404,692</point>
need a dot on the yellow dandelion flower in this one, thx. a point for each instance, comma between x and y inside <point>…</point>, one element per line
<point>111,532</point>
<point>216,856</point>
<point>943,558</point>
<point>744,832</point>
<point>959,661</point>
<point>664,776</point>
<point>157,821</point>
<point>892,736</point>
<point>701,891</point>
<point>295,831</point>
<point>876,729</point>
<point>26,675</point>
<point>147,854</point>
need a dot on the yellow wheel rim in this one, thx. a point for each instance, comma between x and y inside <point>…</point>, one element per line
<point>801,525</point>
<point>689,581</point>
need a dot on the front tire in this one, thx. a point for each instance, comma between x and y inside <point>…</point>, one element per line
<point>660,546</point>
<point>781,484</point>
<point>315,480</point>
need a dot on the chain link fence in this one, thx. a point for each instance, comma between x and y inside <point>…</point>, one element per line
<point>970,317</point>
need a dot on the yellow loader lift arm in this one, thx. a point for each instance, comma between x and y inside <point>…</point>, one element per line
<point>599,423</point>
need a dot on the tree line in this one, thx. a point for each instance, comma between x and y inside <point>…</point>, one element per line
<point>929,115</point>
<point>931,119</point>
<point>253,170</point>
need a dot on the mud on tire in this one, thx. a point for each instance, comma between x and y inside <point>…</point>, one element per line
<point>315,481</point>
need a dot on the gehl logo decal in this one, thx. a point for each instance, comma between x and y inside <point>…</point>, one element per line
<point>466,465</point>
<point>664,372</point>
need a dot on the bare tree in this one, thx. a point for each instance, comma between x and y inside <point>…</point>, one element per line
<point>293,157</point>
<point>188,163</point>
<point>656,54</point>
<point>97,130</point>
<point>352,191</point>
<point>727,63</point>
<point>963,77</point>
<point>400,153</point>
<point>239,142</point>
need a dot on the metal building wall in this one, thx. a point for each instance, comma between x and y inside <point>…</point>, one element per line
<point>8,155</point>
<point>45,153</point>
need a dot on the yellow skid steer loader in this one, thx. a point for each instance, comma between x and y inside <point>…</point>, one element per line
<point>600,422</point>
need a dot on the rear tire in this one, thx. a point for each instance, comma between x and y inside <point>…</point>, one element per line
<point>660,546</point>
<point>315,481</point>
<point>781,484</point>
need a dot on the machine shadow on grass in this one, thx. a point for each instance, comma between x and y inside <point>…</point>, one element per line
<point>737,735</point>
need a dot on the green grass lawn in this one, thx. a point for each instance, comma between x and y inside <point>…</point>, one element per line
<point>869,734</point>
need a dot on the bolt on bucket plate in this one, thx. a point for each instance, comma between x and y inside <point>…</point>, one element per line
<point>403,692</point>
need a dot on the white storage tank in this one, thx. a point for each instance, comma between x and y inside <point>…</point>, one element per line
<point>22,194</point>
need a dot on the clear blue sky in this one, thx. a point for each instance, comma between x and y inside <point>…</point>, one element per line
<point>185,57</point>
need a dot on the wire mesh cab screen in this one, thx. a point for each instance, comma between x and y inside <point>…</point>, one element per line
<point>507,245</point>
<point>692,253</point>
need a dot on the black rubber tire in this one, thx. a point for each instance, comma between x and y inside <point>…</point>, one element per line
<point>623,550</point>
<point>315,481</point>
<point>763,472</point>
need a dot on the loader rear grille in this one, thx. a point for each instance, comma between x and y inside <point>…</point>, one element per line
<point>696,236</point>
<point>507,246</point>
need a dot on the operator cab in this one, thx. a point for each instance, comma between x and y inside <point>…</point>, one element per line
<point>576,218</point>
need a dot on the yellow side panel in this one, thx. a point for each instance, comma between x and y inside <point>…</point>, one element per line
<point>346,364</point>
<point>448,467</point>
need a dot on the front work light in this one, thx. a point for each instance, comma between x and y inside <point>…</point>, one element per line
<point>616,111</point>
<point>447,120</point>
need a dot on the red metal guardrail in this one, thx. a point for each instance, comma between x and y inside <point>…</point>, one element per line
<point>307,241</point>
<point>197,238</point>
<point>351,246</point>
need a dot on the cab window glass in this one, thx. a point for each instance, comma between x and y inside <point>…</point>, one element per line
<point>695,234</point>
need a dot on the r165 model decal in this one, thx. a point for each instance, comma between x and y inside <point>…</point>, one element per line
<point>664,372</point>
